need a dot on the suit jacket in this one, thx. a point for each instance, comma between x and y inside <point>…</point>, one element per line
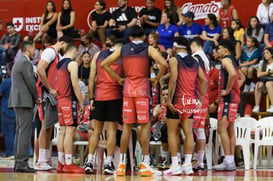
<point>23,92</point>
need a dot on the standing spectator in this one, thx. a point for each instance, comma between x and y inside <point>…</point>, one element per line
<point>8,117</point>
<point>48,22</point>
<point>227,13</point>
<point>268,35</point>
<point>167,30</point>
<point>84,68</point>
<point>211,33</point>
<point>169,6</point>
<point>9,43</point>
<point>254,29</point>
<point>150,17</point>
<point>239,31</point>
<point>100,21</point>
<point>153,41</point>
<point>23,96</point>
<point>87,45</point>
<point>190,29</point>
<point>263,12</point>
<point>66,20</point>
<point>122,21</point>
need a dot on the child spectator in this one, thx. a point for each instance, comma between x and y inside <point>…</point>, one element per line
<point>239,31</point>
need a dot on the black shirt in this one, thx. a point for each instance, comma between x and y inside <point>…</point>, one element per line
<point>83,74</point>
<point>100,18</point>
<point>124,17</point>
<point>154,16</point>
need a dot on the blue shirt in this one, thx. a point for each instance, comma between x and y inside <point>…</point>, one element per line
<point>5,90</point>
<point>190,31</point>
<point>212,32</point>
<point>269,31</point>
<point>166,35</point>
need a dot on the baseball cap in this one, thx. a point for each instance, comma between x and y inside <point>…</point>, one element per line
<point>189,14</point>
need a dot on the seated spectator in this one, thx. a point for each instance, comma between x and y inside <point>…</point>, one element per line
<point>48,22</point>
<point>227,13</point>
<point>268,36</point>
<point>167,30</point>
<point>122,20</point>
<point>263,12</point>
<point>84,68</point>
<point>176,12</point>
<point>87,45</point>
<point>239,31</point>
<point>66,20</point>
<point>150,17</point>
<point>100,21</point>
<point>254,29</point>
<point>228,34</point>
<point>251,55</point>
<point>153,41</point>
<point>190,29</point>
<point>265,84</point>
<point>9,43</point>
<point>211,33</point>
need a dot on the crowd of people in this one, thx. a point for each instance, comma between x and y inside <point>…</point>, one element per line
<point>151,80</point>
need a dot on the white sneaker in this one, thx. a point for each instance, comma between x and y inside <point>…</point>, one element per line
<point>42,166</point>
<point>147,171</point>
<point>246,88</point>
<point>187,169</point>
<point>270,109</point>
<point>252,87</point>
<point>225,166</point>
<point>256,109</point>
<point>173,170</point>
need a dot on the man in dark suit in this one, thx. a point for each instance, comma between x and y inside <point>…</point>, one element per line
<point>22,98</point>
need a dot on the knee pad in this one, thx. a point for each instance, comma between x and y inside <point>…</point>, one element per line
<point>200,133</point>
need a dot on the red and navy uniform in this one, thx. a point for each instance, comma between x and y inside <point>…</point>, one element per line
<point>226,18</point>
<point>137,88</point>
<point>67,100</point>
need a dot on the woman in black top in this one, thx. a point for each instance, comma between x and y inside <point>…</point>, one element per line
<point>48,22</point>
<point>100,21</point>
<point>66,20</point>
<point>84,68</point>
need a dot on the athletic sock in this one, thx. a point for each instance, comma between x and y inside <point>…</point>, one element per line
<point>146,159</point>
<point>42,155</point>
<point>68,159</point>
<point>122,158</point>
<point>187,159</point>
<point>200,157</point>
<point>91,158</point>
<point>61,157</point>
<point>174,161</point>
<point>109,160</point>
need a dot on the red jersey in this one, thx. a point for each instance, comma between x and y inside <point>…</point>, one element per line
<point>213,84</point>
<point>51,70</point>
<point>136,67</point>
<point>226,18</point>
<point>107,88</point>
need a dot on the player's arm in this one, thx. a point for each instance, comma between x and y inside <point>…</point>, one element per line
<point>228,66</point>
<point>172,83</point>
<point>110,60</point>
<point>92,77</point>
<point>203,84</point>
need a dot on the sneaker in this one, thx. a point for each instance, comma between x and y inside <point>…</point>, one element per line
<point>6,157</point>
<point>225,166</point>
<point>173,170</point>
<point>60,167</point>
<point>121,169</point>
<point>88,167</point>
<point>252,87</point>
<point>109,168</point>
<point>146,170</point>
<point>187,169</point>
<point>270,109</point>
<point>72,168</point>
<point>163,163</point>
<point>198,167</point>
<point>42,166</point>
<point>246,88</point>
<point>256,109</point>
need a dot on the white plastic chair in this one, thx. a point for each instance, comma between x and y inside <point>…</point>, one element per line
<point>209,145</point>
<point>263,136</point>
<point>242,128</point>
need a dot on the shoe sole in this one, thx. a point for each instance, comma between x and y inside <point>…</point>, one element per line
<point>108,172</point>
<point>88,171</point>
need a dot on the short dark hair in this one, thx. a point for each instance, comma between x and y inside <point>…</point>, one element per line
<point>182,41</point>
<point>198,41</point>
<point>164,88</point>
<point>71,46</point>
<point>25,45</point>
<point>136,32</point>
<point>119,41</point>
<point>227,44</point>
<point>9,24</point>
<point>88,36</point>
<point>66,39</point>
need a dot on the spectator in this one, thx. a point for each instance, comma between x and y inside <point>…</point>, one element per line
<point>87,45</point>
<point>254,29</point>
<point>167,30</point>
<point>250,57</point>
<point>169,6</point>
<point>9,43</point>
<point>211,33</point>
<point>48,22</point>
<point>189,29</point>
<point>122,20</point>
<point>268,36</point>
<point>265,73</point>
<point>84,68</point>
<point>100,21</point>
<point>153,41</point>
<point>228,34</point>
<point>8,117</point>
<point>263,13</point>
<point>239,32</point>
<point>150,17</point>
<point>227,13</point>
<point>66,20</point>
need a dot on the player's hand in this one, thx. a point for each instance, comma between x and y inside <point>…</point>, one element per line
<point>198,105</point>
<point>121,81</point>
<point>81,109</point>
<point>53,92</point>
<point>154,81</point>
<point>224,92</point>
<point>38,101</point>
<point>92,104</point>
<point>171,107</point>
